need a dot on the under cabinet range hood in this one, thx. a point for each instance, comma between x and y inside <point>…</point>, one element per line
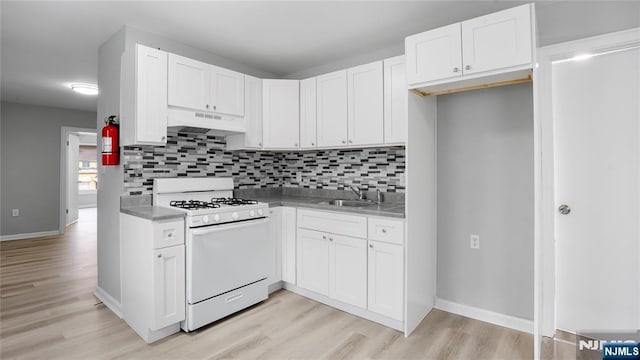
<point>191,121</point>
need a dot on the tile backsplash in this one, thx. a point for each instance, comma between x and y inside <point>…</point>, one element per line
<point>196,155</point>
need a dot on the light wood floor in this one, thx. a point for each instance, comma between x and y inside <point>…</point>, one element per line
<point>47,310</point>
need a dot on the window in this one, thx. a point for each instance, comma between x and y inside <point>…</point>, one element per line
<point>87,168</point>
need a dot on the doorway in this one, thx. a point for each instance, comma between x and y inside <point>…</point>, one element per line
<point>78,174</point>
<point>588,187</point>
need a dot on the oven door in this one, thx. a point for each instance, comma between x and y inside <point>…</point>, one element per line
<point>221,258</point>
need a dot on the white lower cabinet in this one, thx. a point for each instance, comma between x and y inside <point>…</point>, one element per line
<point>386,267</point>
<point>288,246</point>
<point>153,275</point>
<point>168,286</point>
<point>313,261</point>
<point>275,246</point>
<point>348,270</point>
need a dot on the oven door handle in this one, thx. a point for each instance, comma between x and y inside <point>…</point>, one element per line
<point>216,228</point>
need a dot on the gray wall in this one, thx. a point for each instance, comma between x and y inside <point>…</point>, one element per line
<point>485,187</point>
<point>30,164</point>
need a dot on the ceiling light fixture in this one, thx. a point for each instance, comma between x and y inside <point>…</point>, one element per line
<point>85,89</point>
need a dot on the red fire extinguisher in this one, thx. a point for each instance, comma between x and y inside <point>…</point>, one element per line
<point>110,147</point>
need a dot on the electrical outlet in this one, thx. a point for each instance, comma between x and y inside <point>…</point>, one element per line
<point>15,212</point>
<point>475,241</point>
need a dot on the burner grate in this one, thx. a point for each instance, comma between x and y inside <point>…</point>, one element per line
<point>233,201</point>
<point>193,204</point>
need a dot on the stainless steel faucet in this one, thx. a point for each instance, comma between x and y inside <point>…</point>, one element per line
<point>358,192</point>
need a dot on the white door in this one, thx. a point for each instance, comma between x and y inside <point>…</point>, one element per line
<point>275,246</point>
<point>73,149</point>
<point>386,266</point>
<point>281,114</point>
<point>423,66</point>
<point>253,111</point>
<point>168,286</point>
<point>332,109</point>
<point>226,91</point>
<point>348,270</point>
<point>188,83</point>
<point>151,96</point>
<point>597,135</point>
<point>365,125</point>
<point>395,100</point>
<point>288,233</point>
<point>313,261</point>
<point>497,40</point>
<point>308,137</point>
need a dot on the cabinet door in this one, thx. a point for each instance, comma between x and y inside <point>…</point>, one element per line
<point>253,111</point>
<point>288,239</point>
<point>308,113</point>
<point>188,83</point>
<point>313,261</point>
<point>348,270</point>
<point>281,114</point>
<point>365,124</point>
<point>332,109</point>
<point>498,40</point>
<point>168,286</point>
<point>151,96</point>
<point>395,101</point>
<point>386,290</point>
<point>434,54</point>
<point>275,246</point>
<point>226,91</point>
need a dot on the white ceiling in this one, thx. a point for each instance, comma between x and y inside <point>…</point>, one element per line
<point>48,44</point>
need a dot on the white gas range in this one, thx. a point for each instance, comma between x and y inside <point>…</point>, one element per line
<point>226,246</point>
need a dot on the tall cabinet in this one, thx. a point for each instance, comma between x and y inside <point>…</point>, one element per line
<point>281,106</point>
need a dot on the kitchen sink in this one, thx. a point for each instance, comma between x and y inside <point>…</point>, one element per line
<point>347,202</point>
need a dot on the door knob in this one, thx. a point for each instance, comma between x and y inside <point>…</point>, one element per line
<point>564,209</point>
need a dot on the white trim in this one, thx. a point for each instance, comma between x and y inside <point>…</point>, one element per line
<point>29,235</point>
<point>508,321</point>
<point>109,301</point>
<point>351,309</point>
<point>64,133</point>
<point>544,302</point>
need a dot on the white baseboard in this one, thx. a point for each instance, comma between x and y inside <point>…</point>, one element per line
<point>29,235</point>
<point>109,301</point>
<point>485,315</point>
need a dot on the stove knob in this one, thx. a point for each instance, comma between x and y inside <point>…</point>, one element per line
<point>234,215</point>
<point>205,219</point>
<point>260,212</point>
<point>216,217</point>
<point>252,213</point>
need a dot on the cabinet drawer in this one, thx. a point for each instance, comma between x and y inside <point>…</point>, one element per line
<point>391,231</point>
<point>168,233</point>
<point>341,224</point>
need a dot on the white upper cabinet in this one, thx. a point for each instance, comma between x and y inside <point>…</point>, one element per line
<point>332,109</point>
<point>226,91</point>
<point>434,54</point>
<point>188,83</point>
<point>395,101</point>
<point>253,111</point>
<point>498,40</point>
<point>281,116</point>
<point>365,104</point>
<point>495,48</point>
<point>308,133</point>
<point>144,112</point>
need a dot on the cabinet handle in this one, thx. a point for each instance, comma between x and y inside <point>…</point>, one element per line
<point>371,246</point>
<point>468,67</point>
<point>344,142</point>
<point>350,141</point>
<point>330,239</point>
<point>384,231</point>
<point>206,106</point>
<point>163,138</point>
<point>455,69</point>
<point>159,256</point>
<point>214,107</point>
<point>170,235</point>
<point>259,144</point>
<point>313,144</point>
<point>296,144</point>
<point>324,237</point>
